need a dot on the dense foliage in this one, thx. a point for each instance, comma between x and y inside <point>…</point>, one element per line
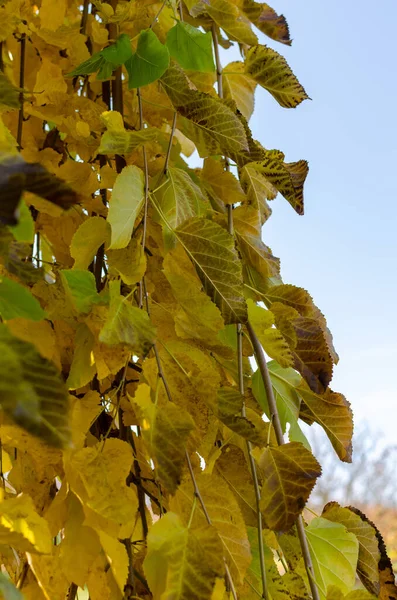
<point>142,457</point>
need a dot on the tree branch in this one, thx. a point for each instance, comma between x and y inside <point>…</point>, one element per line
<point>275,418</point>
<point>21,85</point>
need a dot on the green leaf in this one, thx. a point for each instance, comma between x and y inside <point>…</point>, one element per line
<point>24,230</point>
<point>80,286</point>
<point>9,94</point>
<point>167,429</point>
<point>182,562</point>
<point>190,47</point>
<point>124,142</point>
<point>32,392</point>
<point>126,202</point>
<point>8,591</point>
<point>212,251</point>
<point>126,324</point>
<point>93,64</point>
<point>334,553</point>
<point>119,52</point>
<point>368,552</point>
<point>289,474</point>
<point>180,199</point>
<point>148,63</point>
<point>17,301</point>
<point>268,68</point>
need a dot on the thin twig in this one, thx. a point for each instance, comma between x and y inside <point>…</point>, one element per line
<point>219,81</point>
<point>145,208</point>
<point>262,364</point>
<point>21,85</point>
<point>84,17</point>
<point>167,158</point>
<point>153,23</point>
<point>181,10</point>
<point>252,466</point>
<point>72,592</point>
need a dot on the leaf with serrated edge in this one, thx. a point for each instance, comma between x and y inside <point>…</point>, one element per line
<point>268,68</point>
<point>229,18</point>
<point>289,475</point>
<point>125,204</point>
<point>212,251</point>
<point>334,553</point>
<point>265,18</point>
<point>332,411</point>
<point>368,551</point>
<point>211,115</point>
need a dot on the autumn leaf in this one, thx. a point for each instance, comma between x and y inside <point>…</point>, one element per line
<point>125,205</point>
<point>268,68</point>
<point>21,526</point>
<point>289,475</point>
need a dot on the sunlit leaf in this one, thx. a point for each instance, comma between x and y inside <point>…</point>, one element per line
<point>229,18</point>
<point>268,68</point>
<point>289,475</point>
<point>220,183</point>
<point>148,62</point>
<point>212,251</point>
<point>191,47</point>
<point>271,339</point>
<point>117,140</point>
<point>126,202</point>
<point>334,553</point>
<point>21,526</point>
<point>239,87</point>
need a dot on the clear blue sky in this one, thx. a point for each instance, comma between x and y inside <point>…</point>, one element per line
<point>344,249</point>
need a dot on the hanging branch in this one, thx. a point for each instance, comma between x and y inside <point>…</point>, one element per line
<point>275,419</point>
<point>240,355</point>
<point>21,85</point>
<point>145,208</point>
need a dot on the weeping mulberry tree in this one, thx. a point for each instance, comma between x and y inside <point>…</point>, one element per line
<point>142,455</point>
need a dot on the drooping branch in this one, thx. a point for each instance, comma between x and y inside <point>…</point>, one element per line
<point>275,419</point>
<point>240,354</point>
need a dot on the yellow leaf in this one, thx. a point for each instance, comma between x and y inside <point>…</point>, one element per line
<point>166,429</point>
<point>97,476</point>
<point>87,239</point>
<point>21,526</point>
<point>229,18</point>
<point>49,82</point>
<point>225,516</point>
<point>273,342</point>
<point>239,87</point>
<point>8,143</point>
<point>50,18</point>
<point>221,183</point>
<point>268,68</point>
<point>116,140</point>
<point>118,558</point>
<point>108,177</point>
<point>83,368</point>
<point>38,333</point>
<point>129,262</point>
<point>83,412</point>
<point>49,575</point>
<point>80,545</point>
<point>125,205</point>
<point>182,562</point>
<point>265,18</point>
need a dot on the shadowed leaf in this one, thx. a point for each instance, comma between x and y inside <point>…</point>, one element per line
<point>289,475</point>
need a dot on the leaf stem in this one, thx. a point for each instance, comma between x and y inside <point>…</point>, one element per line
<point>262,364</point>
<point>21,85</point>
<point>167,158</point>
